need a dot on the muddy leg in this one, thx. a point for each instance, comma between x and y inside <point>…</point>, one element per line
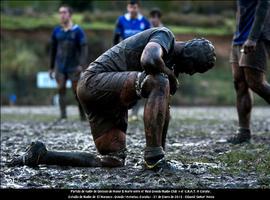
<point>111,145</point>
<point>79,159</point>
<point>62,97</point>
<point>257,82</point>
<point>156,90</point>
<point>165,127</point>
<point>244,101</point>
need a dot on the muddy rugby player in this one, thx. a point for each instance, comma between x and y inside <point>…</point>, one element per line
<point>145,65</point>
<point>251,44</point>
<point>68,52</point>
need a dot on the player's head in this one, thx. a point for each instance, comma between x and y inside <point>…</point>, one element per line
<point>155,17</point>
<point>133,8</point>
<point>197,55</point>
<point>65,13</point>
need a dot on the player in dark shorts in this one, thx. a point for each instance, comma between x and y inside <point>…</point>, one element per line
<point>68,53</point>
<point>251,46</point>
<point>145,65</point>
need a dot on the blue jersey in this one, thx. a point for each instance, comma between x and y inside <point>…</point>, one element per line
<point>246,12</point>
<point>126,26</point>
<point>66,45</point>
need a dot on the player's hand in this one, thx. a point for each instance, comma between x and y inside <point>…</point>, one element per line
<point>51,73</point>
<point>174,84</point>
<point>249,46</point>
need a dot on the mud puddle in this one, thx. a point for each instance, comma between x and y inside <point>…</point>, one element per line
<point>196,145</point>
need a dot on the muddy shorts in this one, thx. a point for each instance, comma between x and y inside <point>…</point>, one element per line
<point>73,76</point>
<point>256,60</point>
<point>99,94</point>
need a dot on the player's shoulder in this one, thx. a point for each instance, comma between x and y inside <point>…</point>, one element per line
<point>77,27</point>
<point>163,29</point>
<point>121,18</point>
<point>57,28</point>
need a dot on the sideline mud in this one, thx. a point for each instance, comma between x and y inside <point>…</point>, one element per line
<point>196,144</point>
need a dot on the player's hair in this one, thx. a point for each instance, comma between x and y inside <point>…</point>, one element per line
<point>133,2</point>
<point>155,12</point>
<point>201,52</point>
<point>70,10</point>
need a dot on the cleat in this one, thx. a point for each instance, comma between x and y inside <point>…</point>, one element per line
<point>161,165</point>
<point>31,157</point>
<point>242,135</point>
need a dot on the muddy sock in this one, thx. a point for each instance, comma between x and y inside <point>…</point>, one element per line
<point>62,105</point>
<point>243,132</point>
<point>79,159</point>
<point>76,159</point>
<point>242,135</point>
<point>153,154</point>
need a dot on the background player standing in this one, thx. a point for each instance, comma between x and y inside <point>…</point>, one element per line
<point>68,52</point>
<point>251,44</point>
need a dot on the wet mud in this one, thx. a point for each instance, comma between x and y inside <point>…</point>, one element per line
<point>196,144</point>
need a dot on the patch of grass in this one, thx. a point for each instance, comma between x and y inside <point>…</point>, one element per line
<point>27,117</point>
<point>202,31</point>
<point>28,22</point>
<point>264,181</point>
<point>249,158</point>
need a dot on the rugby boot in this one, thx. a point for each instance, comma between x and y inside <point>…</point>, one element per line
<point>242,135</point>
<point>31,157</point>
<point>161,165</point>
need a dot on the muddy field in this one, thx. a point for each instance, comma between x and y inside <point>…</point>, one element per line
<point>196,144</point>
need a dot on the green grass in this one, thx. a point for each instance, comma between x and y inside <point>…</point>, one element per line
<point>28,23</point>
<point>246,158</point>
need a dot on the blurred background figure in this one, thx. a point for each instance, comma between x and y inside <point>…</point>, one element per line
<point>250,48</point>
<point>127,25</point>
<point>131,23</point>
<point>12,99</point>
<point>69,52</point>
<point>155,18</point>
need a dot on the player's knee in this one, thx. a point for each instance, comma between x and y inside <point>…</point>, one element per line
<point>240,85</point>
<point>158,83</point>
<point>61,90</point>
<point>252,82</point>
<point>255,85</point>
<point>113,141</point>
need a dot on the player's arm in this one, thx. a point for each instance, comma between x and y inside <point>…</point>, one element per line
<point>116,38</point>
<point>83,55</point>
<point>52,54</point>
<point>257,27</point>
<point>117,32</point>
<point>83,49</point>
<point>152,62</point>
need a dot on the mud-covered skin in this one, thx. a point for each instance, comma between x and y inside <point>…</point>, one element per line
<point>152,62</point>
<point>246,80</point>
<point>61,87</point>
<point>249,63</point>
<point>155,112</point>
